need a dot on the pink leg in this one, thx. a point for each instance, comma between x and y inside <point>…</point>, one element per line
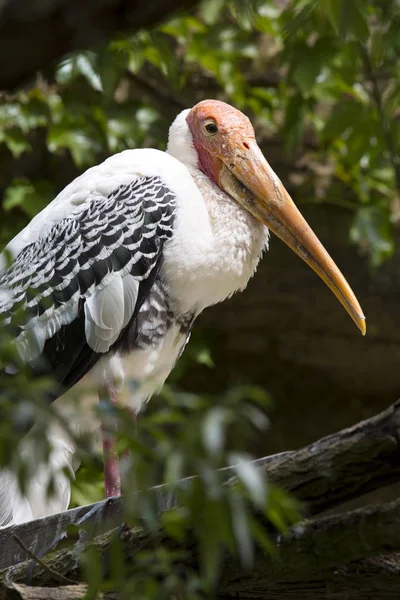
<point>112,479</point>
<point>125,455</point>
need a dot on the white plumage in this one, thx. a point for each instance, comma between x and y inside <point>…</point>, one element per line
<point>122,262</point>
<point>205,262</point>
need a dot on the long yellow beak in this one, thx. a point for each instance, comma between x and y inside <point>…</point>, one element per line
<point>267,199</point>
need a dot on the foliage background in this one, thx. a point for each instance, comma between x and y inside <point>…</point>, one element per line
<point>323,75</point>
<point>321,82</point>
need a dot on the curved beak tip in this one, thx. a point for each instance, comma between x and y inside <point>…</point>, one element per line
<point>362,324</point>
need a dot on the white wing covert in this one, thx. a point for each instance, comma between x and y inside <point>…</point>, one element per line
<point>70,295</point>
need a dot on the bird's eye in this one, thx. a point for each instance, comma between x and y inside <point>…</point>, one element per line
<point>211,128</point>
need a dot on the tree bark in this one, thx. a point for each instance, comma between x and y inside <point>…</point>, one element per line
<point>35,34</point>
<point>341,466</point>
<point>18,591</point>
<point>313,550</point>
<point>322,476</point>
<point>346,554</point>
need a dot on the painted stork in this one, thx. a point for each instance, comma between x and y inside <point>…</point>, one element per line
<point>115,270</point>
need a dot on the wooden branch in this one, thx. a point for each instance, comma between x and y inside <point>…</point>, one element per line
<point>18,591</point>
<point>314,547</point>
<point>343,465</point>
<point>366,580</point>
<point>35,34</point>
<point>45,534</point>
<point>313,550</point>
<point>327,473</point>
<point>57,576</point>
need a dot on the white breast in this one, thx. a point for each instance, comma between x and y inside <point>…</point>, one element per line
<point>146,370</point>
<point>215,249</point>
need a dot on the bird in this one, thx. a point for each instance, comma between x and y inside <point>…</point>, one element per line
<point>111,275</point>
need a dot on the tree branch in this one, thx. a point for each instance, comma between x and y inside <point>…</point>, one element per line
<point>320,557</point>
<point>343,465</point>
<point>323,475</point>
<point>18,591</point>
<point>315,549</point>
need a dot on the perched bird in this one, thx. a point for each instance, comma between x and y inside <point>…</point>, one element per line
<point>116,269</point>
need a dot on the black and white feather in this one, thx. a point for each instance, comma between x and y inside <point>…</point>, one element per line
<point>113,272</point>
<point>87,278</point>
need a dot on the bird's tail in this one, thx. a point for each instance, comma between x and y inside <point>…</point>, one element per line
<point>48,490</point>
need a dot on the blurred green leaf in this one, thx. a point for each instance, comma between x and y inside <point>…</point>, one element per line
<point>29,196</point>
<point>371,230</point>
<point>251,477</point>
<point>377,47</point>
<point>348,17</point>
<point>76,140</point>
<point>15,140</point>
<point>80,64</point>
<point>211,10</point>
<point>334,9</point>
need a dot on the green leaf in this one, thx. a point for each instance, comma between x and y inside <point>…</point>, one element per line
<point>252,478</point>
<point>348,18</point>
<point>30,196</point>
<point>371,231</point>
<point>110,76</point>
<point>214,431</point>
<point>15,140</point>
<point>307,69</point>
<point>307,61</point>
<point>391,99</point>
<point>357,16</point>
<point>334,9</point>
<point>79,64</point>
<point>241,526</point>
<point>294,123</point>
<point>342,118</point>
<point>76,140</point>
<point>377,50</point>
<point>203,357</point>
<point>210,10</point>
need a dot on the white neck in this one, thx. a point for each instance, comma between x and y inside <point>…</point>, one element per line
<point>215,250</point>
<point>217,244</point>
<point>180,141</point>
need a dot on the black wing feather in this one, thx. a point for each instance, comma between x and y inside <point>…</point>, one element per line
<point>123,233</point>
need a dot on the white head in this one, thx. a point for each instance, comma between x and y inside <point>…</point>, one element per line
<point>220,141</point>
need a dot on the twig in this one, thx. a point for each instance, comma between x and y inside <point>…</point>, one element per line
<point>32,555</point>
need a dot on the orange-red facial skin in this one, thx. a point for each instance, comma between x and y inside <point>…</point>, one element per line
<point>235,132</point>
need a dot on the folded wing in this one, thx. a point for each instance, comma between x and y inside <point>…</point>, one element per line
<point>69,296</point>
